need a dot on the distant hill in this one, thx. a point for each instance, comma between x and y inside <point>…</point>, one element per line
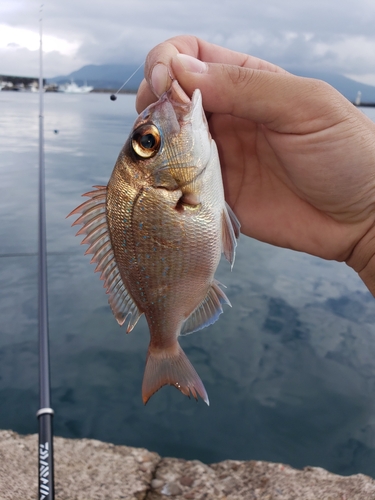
<point>112,76</point>
<point>104,76</point>
<point>348,87</point>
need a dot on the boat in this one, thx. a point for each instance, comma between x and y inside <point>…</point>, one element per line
<point>73,88</point>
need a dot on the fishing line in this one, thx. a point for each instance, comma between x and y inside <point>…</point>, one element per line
<point>114,96</point>
<point>44,415</point>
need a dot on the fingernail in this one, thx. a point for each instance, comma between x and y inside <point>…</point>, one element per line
<point>160,79</point>
<point>192,64</point>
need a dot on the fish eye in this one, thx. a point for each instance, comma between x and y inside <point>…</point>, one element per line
<point>146,141</point>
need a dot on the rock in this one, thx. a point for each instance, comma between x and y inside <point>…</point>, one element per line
<point>89,470</point>
<point>84,469</point>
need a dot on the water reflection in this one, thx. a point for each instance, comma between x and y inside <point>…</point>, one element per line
<point>289,369</point>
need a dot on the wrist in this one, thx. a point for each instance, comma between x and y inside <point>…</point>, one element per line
<point>362,259</point>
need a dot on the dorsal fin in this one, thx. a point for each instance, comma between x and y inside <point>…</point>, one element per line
<point>95,227</point>
<point>230,233</point>
<point>208,310</point>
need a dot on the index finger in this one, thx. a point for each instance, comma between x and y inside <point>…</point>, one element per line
<point>205,51</point>
<point>158,78</point>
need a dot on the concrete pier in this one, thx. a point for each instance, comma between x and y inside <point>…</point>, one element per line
<point>91,470</point>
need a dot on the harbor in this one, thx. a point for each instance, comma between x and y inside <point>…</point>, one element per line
<point>27,84</point>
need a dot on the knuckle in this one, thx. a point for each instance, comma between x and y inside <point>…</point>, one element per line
<point>239,76</point>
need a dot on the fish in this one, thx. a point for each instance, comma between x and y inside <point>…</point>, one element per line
<point>157,232</point>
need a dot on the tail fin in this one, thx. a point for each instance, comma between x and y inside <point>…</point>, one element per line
<point>171,367</point>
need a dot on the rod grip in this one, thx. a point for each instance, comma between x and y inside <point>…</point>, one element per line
<point>46,489</point>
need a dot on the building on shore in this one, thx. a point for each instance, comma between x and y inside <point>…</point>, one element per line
<point>20,83</point>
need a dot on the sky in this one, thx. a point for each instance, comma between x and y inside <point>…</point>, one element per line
<point>318,35</point>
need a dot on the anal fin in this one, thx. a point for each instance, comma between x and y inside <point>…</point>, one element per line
<point>230,232</point>
<point>208,310</point>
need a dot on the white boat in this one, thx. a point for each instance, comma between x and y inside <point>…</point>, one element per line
<point>73,88</point>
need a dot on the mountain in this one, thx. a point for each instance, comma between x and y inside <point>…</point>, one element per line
<point>348,87</point>
<point>112,76</point>
<point>104,76</point>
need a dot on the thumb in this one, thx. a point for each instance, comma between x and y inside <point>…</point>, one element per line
<point>283,102</point>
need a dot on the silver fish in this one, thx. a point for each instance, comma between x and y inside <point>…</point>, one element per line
<point>157,232</point>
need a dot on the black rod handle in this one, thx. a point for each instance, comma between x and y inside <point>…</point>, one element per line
<point>46,489</point>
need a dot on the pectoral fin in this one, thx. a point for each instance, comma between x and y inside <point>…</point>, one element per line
<point>230,233</point>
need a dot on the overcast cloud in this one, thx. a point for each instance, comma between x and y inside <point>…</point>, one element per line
<point>328,35</point>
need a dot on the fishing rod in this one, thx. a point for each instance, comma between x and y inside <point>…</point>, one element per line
<point>46,489</point>
<point>113,97</point>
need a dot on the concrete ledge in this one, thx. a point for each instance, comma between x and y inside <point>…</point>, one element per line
<point>91,470</point>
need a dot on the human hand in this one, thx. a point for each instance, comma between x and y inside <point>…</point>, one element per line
<point>298,159</point>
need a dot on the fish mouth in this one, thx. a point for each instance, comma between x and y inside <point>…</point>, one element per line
<point>185,108</point>
<point>177,95</point>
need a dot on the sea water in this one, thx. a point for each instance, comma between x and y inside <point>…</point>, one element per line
<point>290,369</point>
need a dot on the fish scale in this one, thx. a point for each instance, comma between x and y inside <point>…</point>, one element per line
<point>157,232</point>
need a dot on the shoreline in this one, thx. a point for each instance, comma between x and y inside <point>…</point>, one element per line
<point>134,92</point>
<point>94,91</point>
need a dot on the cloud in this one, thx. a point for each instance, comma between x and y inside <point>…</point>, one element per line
<point>11,37</point>
<point>323,34</point>
<point>19,61</point>
<point>367,78</point>
<point>355,52</point>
